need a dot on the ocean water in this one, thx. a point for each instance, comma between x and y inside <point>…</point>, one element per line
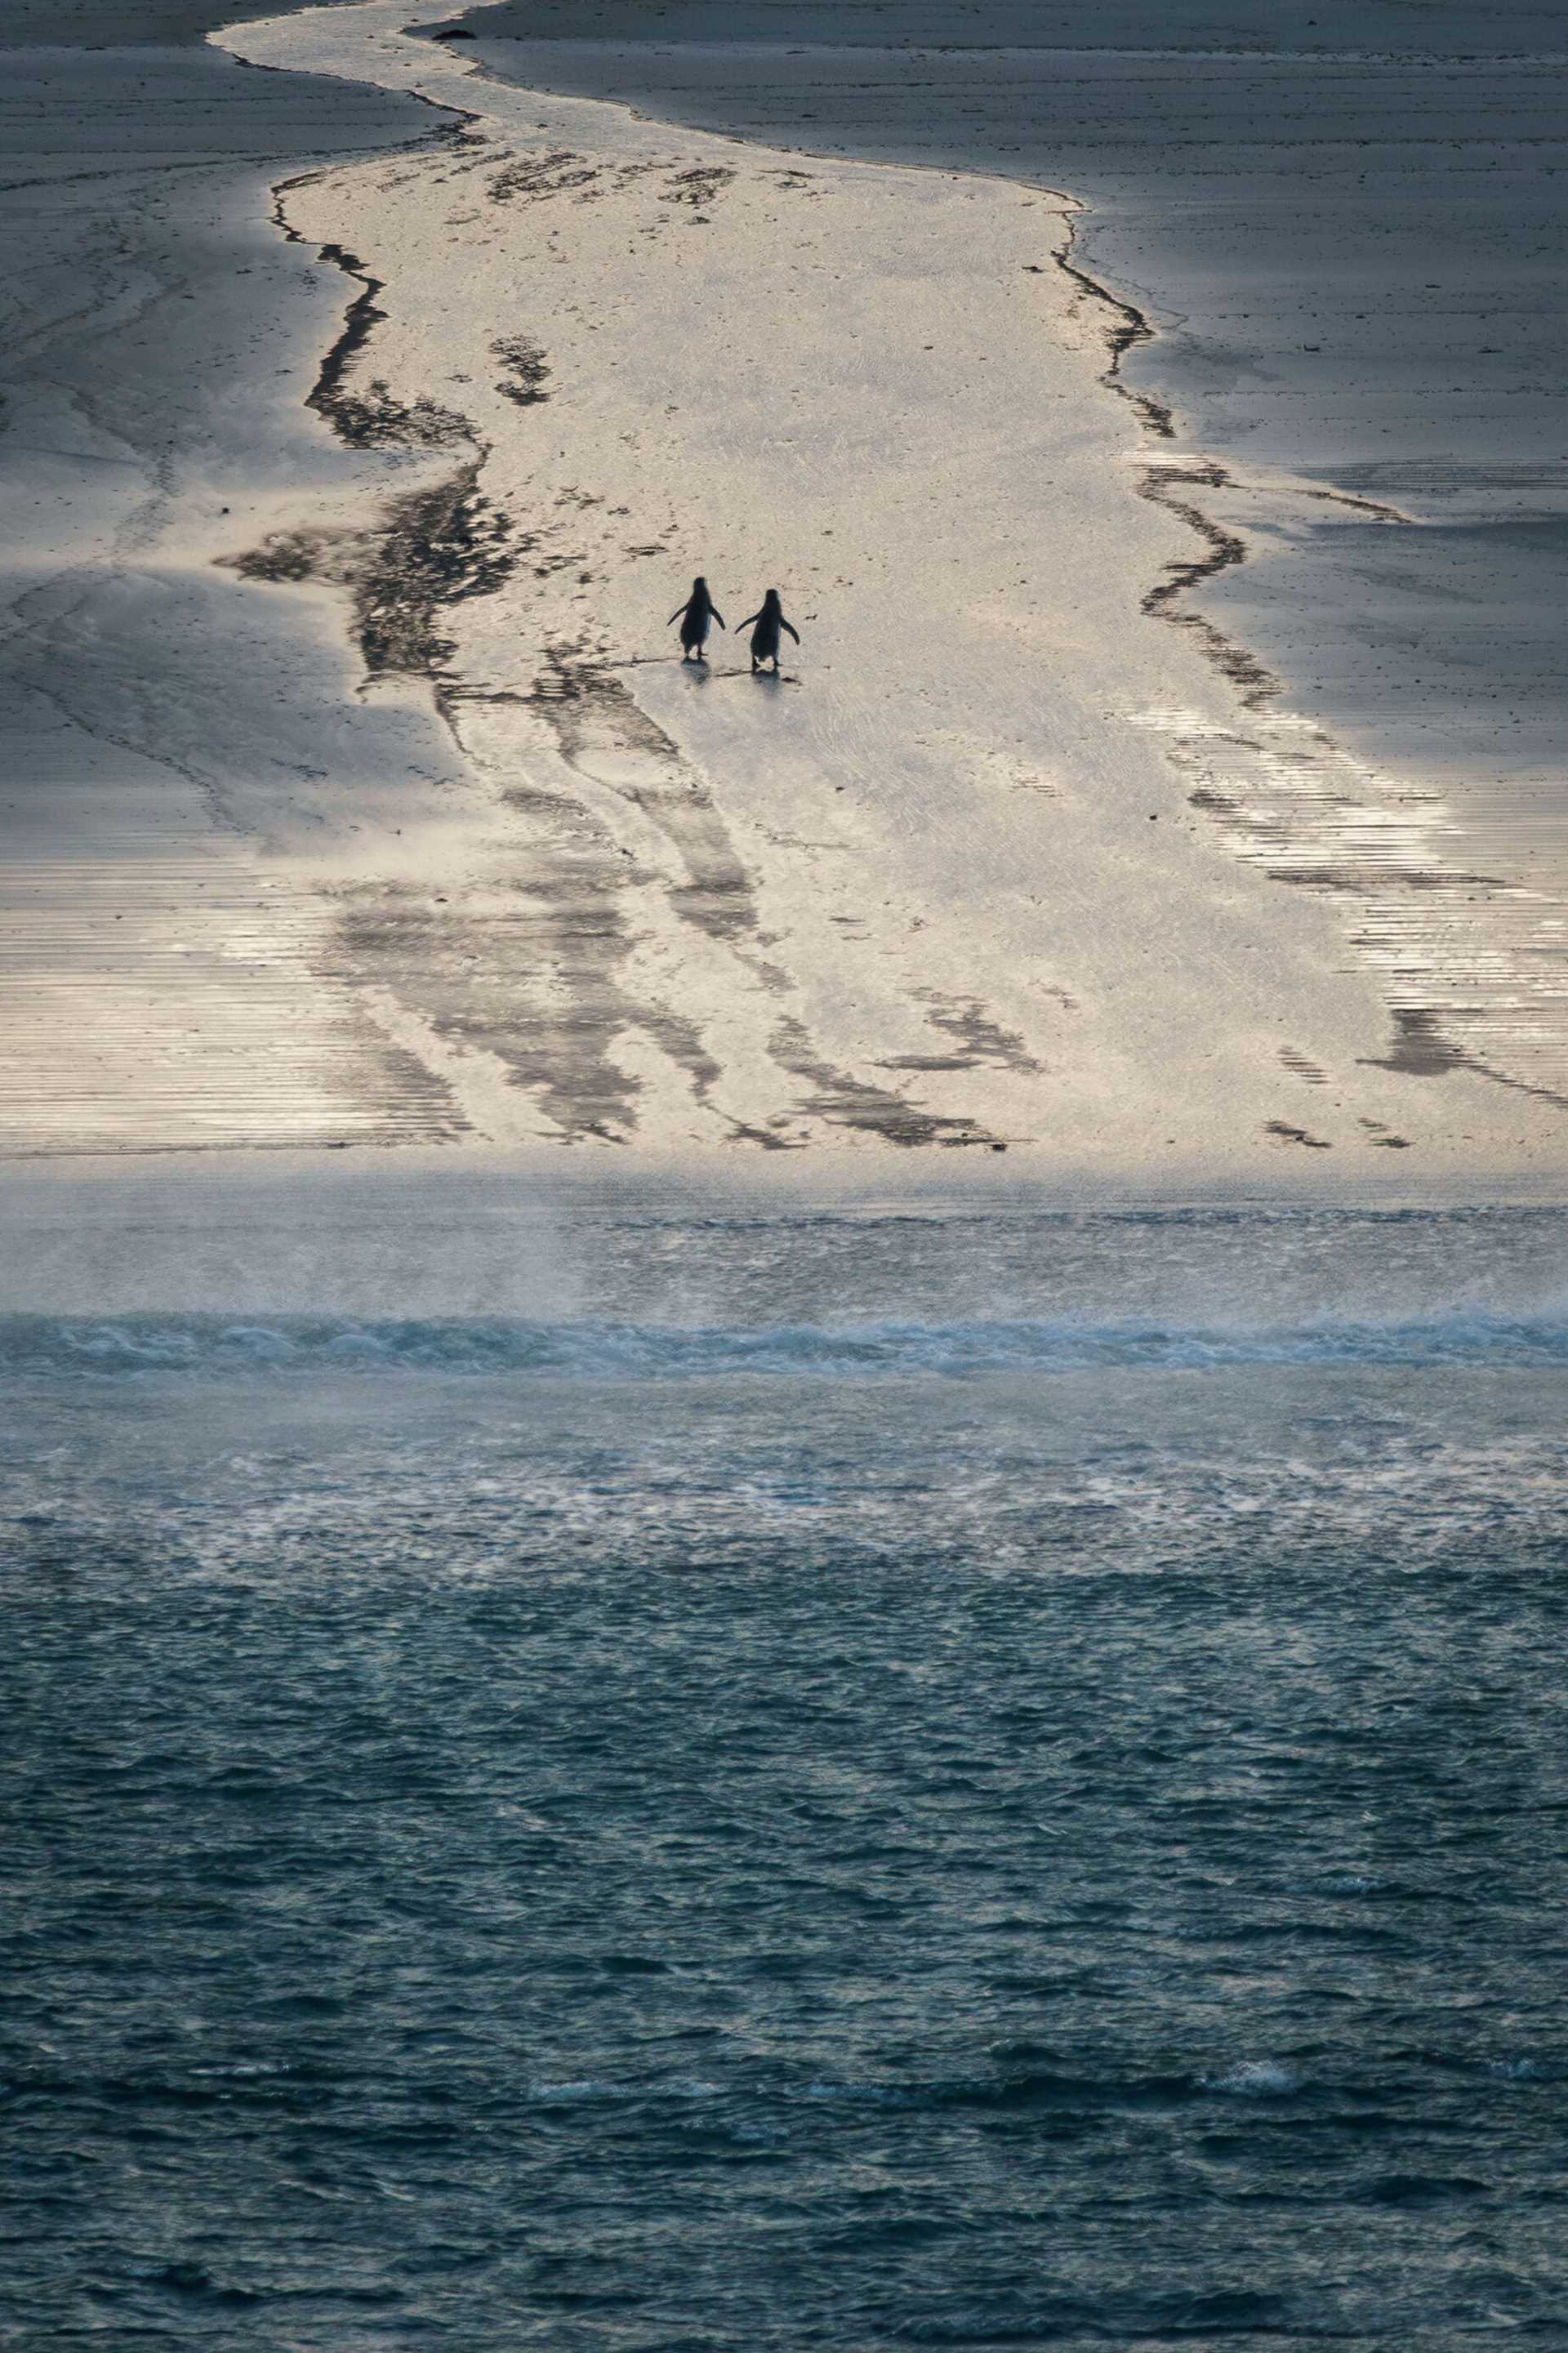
<point>845,1779</point>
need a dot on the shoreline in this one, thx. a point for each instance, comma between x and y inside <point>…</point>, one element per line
<point>895,1183</point>
<point>635,947</point>
<point>1406,858</point>
<point>496,1237</point>
<point>1485,986</point>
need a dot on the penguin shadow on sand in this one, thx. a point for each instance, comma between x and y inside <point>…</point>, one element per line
<point>705,674</point>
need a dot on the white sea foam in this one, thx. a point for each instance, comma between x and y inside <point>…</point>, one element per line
<point>886,1348</point>
<point>1254,2078</point>
<point>259,1341</point>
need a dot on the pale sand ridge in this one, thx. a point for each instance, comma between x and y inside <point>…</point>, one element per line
<point>962,881</point>
<point>948,887</point>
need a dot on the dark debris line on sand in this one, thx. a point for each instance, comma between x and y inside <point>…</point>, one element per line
<point>1418,1048</point>
<point>1127,328</point>
<point>433,547</point>
<point>375,421</point>
<point>430,548</point>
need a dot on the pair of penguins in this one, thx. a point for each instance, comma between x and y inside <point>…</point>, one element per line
<point>699,609</point>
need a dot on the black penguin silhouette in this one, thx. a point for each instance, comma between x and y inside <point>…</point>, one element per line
<point>694,617</point>
<point>765,636</point>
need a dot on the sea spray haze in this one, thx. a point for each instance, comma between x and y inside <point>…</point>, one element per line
<point>882,1777</point>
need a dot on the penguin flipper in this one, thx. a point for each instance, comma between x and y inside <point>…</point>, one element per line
<point>746,623</point>
<point>785,625</point>
<point>719,617</point>
<point>676,615</point>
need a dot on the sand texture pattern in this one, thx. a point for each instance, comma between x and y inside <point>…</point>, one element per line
<point>1004,858</point>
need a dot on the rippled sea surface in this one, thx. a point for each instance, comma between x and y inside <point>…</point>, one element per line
<point>866,1781</point>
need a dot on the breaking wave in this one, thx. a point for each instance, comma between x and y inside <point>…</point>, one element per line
<point>612,1351</point>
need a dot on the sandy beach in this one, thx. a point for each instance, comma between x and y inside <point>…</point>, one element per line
<point>783,1478</point>
<point>358,667</point>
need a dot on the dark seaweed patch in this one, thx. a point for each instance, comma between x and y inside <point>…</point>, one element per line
<point>844,1101</point>
<point>527,370</point>
<point>983,1041</point>
<point>436,548</point>
<point>697,188</point>
<point>1224,549</point>
<point>429,549</point>
<point>1289,1134</point>
<point>535,178</point>
<point>376,419</point>
<point>1419,1049</point>
<point>1127,328</point>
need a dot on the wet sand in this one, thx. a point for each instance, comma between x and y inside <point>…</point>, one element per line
<point>1349,260</point>
<point>167,980</point>
<point>494,869</point>
<point>1339,233</point>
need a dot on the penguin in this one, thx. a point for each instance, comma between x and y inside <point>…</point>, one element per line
<point>694,617</point>
<point>765,636</point>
